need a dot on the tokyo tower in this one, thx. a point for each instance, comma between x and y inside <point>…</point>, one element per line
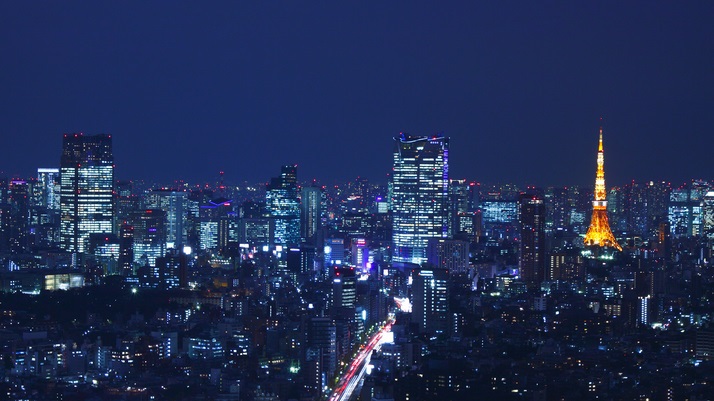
<point>599,233</point>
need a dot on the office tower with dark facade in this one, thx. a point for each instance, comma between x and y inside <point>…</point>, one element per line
<point>172,202</point>
<point>430,300</point>
<point>531,214</point>
<point>172,270</point>
<point>19,200</point>
<point>282,203</point>
<point>463,198</point>
<point>320,350</point>
<point>311,208</point>
<point>420,192</point>
<point>450,254</point>
<point>149,227</point>
<point>87,186</point>
<point>126,249</point>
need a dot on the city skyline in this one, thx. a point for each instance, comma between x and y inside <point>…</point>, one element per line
<point>198,201</point>
<point>190,91</point>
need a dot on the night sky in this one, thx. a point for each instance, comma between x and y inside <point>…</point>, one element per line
<point>191,88</point>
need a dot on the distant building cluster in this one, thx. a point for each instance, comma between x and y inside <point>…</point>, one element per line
<point>113,289</point>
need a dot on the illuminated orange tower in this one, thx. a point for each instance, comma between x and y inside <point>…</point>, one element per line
<point>599,233</point>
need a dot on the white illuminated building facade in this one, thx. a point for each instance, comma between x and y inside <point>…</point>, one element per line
<point>49,190</point>
<point>420,189</point>
<point>87,186</point>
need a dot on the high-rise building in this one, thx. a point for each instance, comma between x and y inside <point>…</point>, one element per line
<point>284,206</point>
<point>685,209</point>
<point>599,233</point>
<point>532,246</point>
<point>257,232</point>
<point>19,200</point>
<point>638,207</point>
<point>311,208</point>
<point>420,194</point>
<point>87,186</point>
<point>125,202</point>
<point>360,253</point>
<point>708,214</point>
<point>448,254</point>
<point>172,202</point>
<point>126,250</point>
<point>344,286</point>
<point>462,202</point>
<point>334,251</point>
<point>499,217</point>
<point>49,188</point>
<point>321,349</point>
<point>556,206</point>
<point>149,235</point>
<point>430,300</point>
<point>172,270</point>
<point>566,265</point>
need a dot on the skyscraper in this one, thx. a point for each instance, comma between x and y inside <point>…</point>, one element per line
<point>461,203</point>
<point>599,233</point>
<point>311,208</point>
<point>430,300</point>
<point>281,201</point>
<point>149,235</point>
<point>172,202</point>
<point>685,209</point>
<point>19,200</point>
<point>420,191</point>
<point>708,215</point>
<point>531,214</point>
<point>47,180</point>
<point>450,254</point>
<point>87,184</point>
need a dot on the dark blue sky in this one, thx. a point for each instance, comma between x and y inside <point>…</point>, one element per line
<point>191,88</point>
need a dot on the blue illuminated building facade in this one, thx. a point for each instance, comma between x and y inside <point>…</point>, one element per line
<point>420,194</point>
<point>283,204</point>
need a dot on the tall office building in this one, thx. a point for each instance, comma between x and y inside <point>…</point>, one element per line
<point>321,349</point>
<point>450,254</point>
<point>126,250</point>
<point>685,209</point>
<point>281,201</point>
<point>311,207</point>
<point>48,188</point>
<point>599,233</point>
<point>149,235</point>
<point>708,215</point>
<point>532,246</point>
<point>462,203</point>
<point>172,270</point>
<point>430,300</point>
<point>172,202</point>
<point>344,286</point>
<point>19,200</point>
<point>420,194</point>
<point>87,185</point>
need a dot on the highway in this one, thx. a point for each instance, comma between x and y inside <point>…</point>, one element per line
<point>351,377</point>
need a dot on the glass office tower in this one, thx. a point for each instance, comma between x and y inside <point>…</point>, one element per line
<point>283,204</point>
<point>420,192</point>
